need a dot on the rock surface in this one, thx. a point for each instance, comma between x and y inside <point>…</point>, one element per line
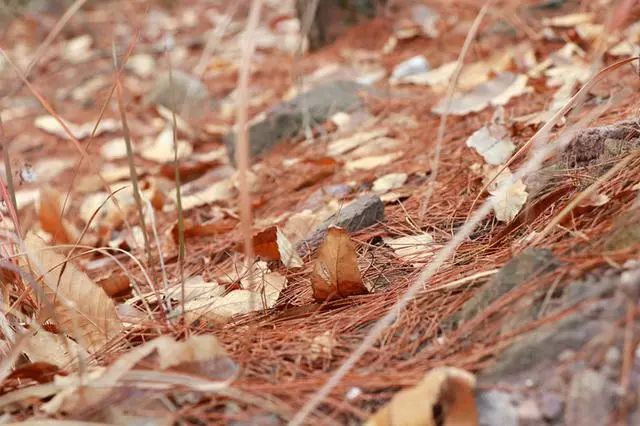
<point>359,214</point>
<point>573,363</point>
<point>517,271</point>
<point>287,119</point>
<point>182,93</point>
<point>332,17</point>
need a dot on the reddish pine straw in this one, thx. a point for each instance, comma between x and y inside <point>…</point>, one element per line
<point>273,348</point>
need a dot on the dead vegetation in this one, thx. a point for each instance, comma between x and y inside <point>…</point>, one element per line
<point>205,223</point>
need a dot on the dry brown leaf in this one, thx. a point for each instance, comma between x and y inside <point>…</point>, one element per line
<point>81,308</point>
<point>344,145</point>
<point>413,248</point>
<point>444,397</point>
<point>115,284</point>
<point>495,92</point>
<point>51,217</point>
<point>192,354</point>
<point>221,308</point>
<point>369,163</point>
<point>272,244</point>
<point>162,148</point>
<point>570,20</point>
<point>50,125</point>
<point>388,182</point>
<point>53,348</point>
<point>335,273</point>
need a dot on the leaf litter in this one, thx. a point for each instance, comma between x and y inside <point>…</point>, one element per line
<point>264,314</point>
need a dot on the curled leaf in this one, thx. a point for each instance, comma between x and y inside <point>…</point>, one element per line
<point>335,273</point>
<point>80,307</point>
<point>445,396</point>
<point>272,244</point>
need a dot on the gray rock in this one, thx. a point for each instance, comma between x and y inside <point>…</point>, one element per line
<point>496,408</point>
<point>625,232</point>
<point>183,93</point>
<point>332,17</point>
<point>544,345</point>
<point>518,270</point>
<point>529,413</point>
<point>361,213</point>
<point>286,120</point>
<point>590,401</point>
<point>598,144</point>
<point>551,405</point>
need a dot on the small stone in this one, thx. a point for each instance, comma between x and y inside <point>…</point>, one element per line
<point>182,93</point>
<point>287,119</point>
<point>361,213</point>
<point>551,405</point>
<point>414,65</point>
<point>518,270</point>
<point>529,413</point>
<point>332,17</point>
<point>496,408</point>
<point>589,402</point>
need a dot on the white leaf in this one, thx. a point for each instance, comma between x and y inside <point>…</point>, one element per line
<point>507,203</point>
<point>388,182</point>
<point>494,147</point>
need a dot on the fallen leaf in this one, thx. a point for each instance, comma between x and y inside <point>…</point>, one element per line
<point>369,163</point>
<point>49,168</point>
<point>195,356</point>
<point>115,284</point>
<point>507,204</point>
<point>322,346</point>
<point>50,125</point>
<point>78,49</point>
<point>162,149</point>
<point>471,76</point>
<point>272,244</point>
<point>570,20</point>
<point>498,91</point>
<point>388,182</point>
<point>335,272</point>
<point>222,308</point>
<point>143,65</point>
<point>56,349</point>
<point>596,199</point>
<point>115,149</point>
<point>344,145</point>
<point>218,191</point>
<point>41,372</point>
<point>52,219</point>
<point>444,397</point>
<point>301,224</point>
<point>415,249</point>
<point>492,143</point>
<point>80,307</point>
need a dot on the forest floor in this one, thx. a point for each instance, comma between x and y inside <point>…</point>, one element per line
<point>538,300</point>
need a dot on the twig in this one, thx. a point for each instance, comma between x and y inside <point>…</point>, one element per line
<point>242,144</point>
<point>453,83</point>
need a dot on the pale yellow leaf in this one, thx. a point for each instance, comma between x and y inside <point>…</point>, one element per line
<point>162,149</point>
<point>81,308</point>
<point>412,248</point>
<point>388,182</point>
<point>507,203</point>
<point>369,163</point>
<point>444,397</point>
